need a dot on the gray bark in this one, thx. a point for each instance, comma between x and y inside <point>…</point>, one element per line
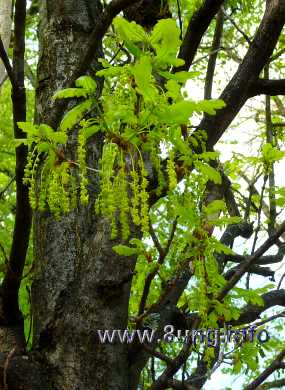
<point>80,284</point>
<point>5,31</point>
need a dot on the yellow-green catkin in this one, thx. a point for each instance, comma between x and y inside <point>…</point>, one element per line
<point>81,156</point>
<point>73,192</point>
<point>144,198</point>
<point>135,199</point>
<point>156,162</point>
<point>172,178</point>
<point>58,190</point>
<point>105,203</point>
<point>53,194</point>
<point>64,180</point>
<point>30,176</point>
<point>123,203</point>
<point>42,196</point>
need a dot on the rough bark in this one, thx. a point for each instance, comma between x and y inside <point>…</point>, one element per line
<point>5,31</point>
<point>80,285</point>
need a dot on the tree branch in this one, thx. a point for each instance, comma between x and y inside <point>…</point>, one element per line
<point>213,57</point>
<point>278,383</point>
<point>263,260</point>
<point>267,87</point>
<point>275,365</point>
<point>162,255</point>
<point>251,313</point>
<point>197,26</point>
<point>22,227</point>
<point>254,269</point>
<point>4,57</point>
<point>178,385</point>
<point>243,268</point>
<point>238,90</point>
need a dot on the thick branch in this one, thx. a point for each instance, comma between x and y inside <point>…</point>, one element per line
<point>242,229</point>
<point>251,313</point>
<point>268,87</point>
<point>4,57</point>
<point>198,24</point>
<point>278,383</point>
<point>254,269</point>
<point>148,12</point>
<point>263,260</point>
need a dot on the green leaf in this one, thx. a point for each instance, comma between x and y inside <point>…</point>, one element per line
<point>214,207</point>
<point>208,171</point>
<point>210,106</point>
<point>89,131</point>
<point>111,71</point>
<point>165,38</point>
<point>271,153</point>
<point>142,72</point>
<point>45,131</point>
<point>59,137</point>
<point>124,250</point>
<point>129,31</point>
<point>87,83</point>
<point>180,77</point>
<point>73,116</point>
<point>28,127</point>
<point>69,93</point>
<point>173,89</point>
<point>178,113</point>
<point>19,141</point>
<point>218,247</point>
<point>44,147</point>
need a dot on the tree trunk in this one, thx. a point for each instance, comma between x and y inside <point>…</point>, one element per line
<point>5,31</point>
<point>80,284</point>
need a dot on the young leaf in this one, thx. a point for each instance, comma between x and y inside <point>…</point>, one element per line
<point>129,31</point>
<point>124,250</point>
<point>69,93</point>
<point>210,106</point>
<point>73,116</point>
<point>165,38</point>
<point>208,171</point>
<point>87,83</point>
<point>89,131</point>
<point>142,72</point>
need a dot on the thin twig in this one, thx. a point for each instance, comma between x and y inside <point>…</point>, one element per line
<point>248,40</point>
<point>180,18</point>
<point>275,365</point>
<point>280,281</point>
<point>157,354</point>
